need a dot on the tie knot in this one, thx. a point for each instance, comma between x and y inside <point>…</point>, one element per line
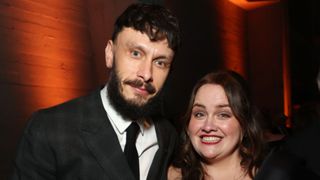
<point>132,131</point>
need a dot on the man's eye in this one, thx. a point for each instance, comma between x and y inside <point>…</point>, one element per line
<point>161,64</point>
<point>135,53</point>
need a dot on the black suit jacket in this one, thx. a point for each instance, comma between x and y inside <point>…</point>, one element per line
<point>75,140</point>
<point>281,164</point>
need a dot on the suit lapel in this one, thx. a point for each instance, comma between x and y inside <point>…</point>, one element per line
<point>156,169</point>
<point>102,141</point>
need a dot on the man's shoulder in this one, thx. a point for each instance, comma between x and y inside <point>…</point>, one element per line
<point>66,113</point>
<point>165,128</point>
<point>78,102</point>
<point>164,123</point>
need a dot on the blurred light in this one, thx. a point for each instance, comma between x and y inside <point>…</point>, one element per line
<point>253,4</point>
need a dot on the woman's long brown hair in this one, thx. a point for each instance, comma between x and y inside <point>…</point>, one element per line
<point>252,144</point>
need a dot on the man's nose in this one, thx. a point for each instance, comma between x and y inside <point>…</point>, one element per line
<point>145,70</point>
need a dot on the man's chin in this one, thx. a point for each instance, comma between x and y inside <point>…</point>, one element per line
<point>137,101</point>
<point>130,104</point>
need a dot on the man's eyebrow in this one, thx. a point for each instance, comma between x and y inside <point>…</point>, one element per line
<point>159,55</point>
<point>135,45</point>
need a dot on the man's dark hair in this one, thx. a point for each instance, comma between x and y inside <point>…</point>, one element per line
<point>154,20</point>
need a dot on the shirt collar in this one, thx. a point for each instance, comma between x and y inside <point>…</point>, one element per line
<point>115,118</point>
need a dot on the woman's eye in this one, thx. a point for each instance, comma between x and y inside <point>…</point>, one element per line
<point>198,115</point>
<point>224,115</point>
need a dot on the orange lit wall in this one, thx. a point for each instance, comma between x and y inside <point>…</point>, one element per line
<point>232,21</point>
<point>45,53</point>
<point>251,40</point>
<point>286,73</point>
<point>45,50</point>
<point>51,51</point>
<point>266,52</point>
<point>267,60</point>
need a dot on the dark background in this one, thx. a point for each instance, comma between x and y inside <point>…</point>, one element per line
<point>304,24</point>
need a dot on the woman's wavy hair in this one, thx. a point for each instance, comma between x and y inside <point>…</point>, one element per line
<point>252,144</point>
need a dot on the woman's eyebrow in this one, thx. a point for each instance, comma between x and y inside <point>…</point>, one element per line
<point>198,105</point>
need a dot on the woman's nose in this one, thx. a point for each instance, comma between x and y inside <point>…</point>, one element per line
<point>209,125</point>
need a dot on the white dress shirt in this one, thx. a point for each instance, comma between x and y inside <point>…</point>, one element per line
<point>146,144</point>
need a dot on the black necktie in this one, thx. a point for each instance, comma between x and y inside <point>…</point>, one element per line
<point>130,149</point>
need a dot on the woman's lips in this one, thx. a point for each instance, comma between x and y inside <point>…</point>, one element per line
<point>210,139</point>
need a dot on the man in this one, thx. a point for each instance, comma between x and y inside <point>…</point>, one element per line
<point>86,138</point>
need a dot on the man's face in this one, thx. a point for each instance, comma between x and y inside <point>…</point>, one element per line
<point>139,70</point>
<point>141,65</point>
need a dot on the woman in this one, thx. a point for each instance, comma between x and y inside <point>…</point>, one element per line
<point>223,139</point>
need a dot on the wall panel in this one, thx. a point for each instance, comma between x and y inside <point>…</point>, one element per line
<point>45,59</point>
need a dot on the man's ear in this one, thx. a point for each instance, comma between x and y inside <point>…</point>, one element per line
<point>109,54</point>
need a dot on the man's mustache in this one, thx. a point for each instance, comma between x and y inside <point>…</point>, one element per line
<point>138,83</point>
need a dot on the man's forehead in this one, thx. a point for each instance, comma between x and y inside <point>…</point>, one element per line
<point>131,33</point>
<point>133,38</point>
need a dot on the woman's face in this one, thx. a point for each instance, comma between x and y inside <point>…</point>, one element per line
<point>213,129</point>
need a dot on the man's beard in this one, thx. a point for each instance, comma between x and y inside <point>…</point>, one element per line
<point>134,109</point>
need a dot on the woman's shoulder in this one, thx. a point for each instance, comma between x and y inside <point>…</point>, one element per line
<point>174,173</point>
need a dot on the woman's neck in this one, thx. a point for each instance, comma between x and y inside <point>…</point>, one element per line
<point>227,168</point>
